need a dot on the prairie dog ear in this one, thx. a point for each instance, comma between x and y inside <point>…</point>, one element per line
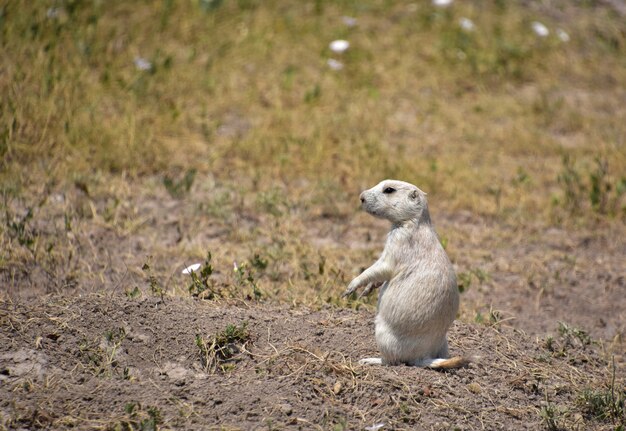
<point>413,195</point>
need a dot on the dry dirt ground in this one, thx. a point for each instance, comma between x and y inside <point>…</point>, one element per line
<point>106,361</point>
<point>91,352</point>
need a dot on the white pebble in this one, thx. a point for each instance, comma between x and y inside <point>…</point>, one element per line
<point>442,3</point>
<point>142,63</point>
<point>561,34</point>
<point>192,268</point>
<point>334,64</point>
<point>53,12</point>
<point>339,46</point>
<point>467,24</point>
<point>540,29</point>
<point>349,21</point>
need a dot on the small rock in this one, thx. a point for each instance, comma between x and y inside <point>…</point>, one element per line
<point>339,46</point>
<point>286,408</point>
<point>474,388</point>
<point>139,338</point>
<point>540,29</point>
<point>349,21</point>
<point>334,64</point>
<point>175,372</point>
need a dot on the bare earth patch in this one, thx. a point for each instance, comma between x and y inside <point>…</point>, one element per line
<point>112,362</point>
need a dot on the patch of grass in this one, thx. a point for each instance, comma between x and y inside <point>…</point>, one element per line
<point>133,293</point>
<point>139,418</point>
<point>604,404</point>
<point>243,284</point>
<point>220,350</point>
<point>464,281</point>
<point>100,356</point>
<point>596,189</point>
<point>18,228</point>
<point>607,404</point>
<point>77,100</point>
<point>219,206</point>
<point>464,278</point>
<point>550,416</point>
<point>155,286</point>
<point>258,262</point>
<point>273,201</point>
<point>202,285</point>
<point>493,318</point>
<point>179,188</point>
<point>570,343</point>
<point>573,335</point>
<point>245,280</point>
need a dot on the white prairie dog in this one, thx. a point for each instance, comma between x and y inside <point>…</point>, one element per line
<point>419,297</point>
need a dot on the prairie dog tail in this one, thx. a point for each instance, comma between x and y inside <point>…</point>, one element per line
<point>444,364</point>
<point>435,364</point>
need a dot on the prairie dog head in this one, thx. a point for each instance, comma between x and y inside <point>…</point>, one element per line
<point>396,201</point>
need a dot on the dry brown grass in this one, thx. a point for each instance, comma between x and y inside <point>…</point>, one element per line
<point>480,119</point>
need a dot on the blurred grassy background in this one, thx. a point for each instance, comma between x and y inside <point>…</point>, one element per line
<point>496,120</point>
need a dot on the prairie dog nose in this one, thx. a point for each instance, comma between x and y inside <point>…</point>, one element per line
<point>362,197</point>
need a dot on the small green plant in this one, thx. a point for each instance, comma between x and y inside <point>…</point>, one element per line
<point>245,279</point>
<point>549,415</point>
<point>522,177</point>
<point>115,336</point>
<point>571,334</point>
<point>272,202</point>
<point>202,285</point>
<point>605,405</point>
<point>178,189</point>
<point>93,356</point>
<point>479,318</point>
<point>604,194</point>
<point>313,94</point>
<point>99,356</point>
<point>218,206</point>
<point>18,228</point>
<point>111,209</point>
<point>573,188</point>
<point>464,279</point>
<point>312,273</point>
<point>495,316</point>
<point>219,349</point>
<point>210,5</point>
<point>259,262</point>
<point>444,241</point>
<point>133,293</point>
<point>492,318</point>
<point>155,286</point>
<point>480,274</point>
<point>140,419</point>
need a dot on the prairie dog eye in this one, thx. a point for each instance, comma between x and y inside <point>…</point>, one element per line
<point>388,190</point>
